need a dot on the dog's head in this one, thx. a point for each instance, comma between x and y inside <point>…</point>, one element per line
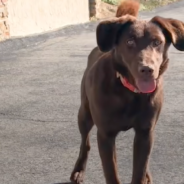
<point>141,46</point>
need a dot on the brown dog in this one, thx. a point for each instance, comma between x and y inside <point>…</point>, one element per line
<point>122,88</point>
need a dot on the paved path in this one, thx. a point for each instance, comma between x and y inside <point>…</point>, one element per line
<point>39,95</point>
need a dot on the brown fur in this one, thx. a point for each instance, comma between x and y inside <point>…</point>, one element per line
<point>137,50</point>
<point>130,7</point>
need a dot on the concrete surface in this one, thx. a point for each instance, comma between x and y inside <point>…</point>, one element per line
<point>36,16</point>
<point>39,95</point>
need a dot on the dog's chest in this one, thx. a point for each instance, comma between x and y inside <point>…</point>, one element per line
<point>124,112</point>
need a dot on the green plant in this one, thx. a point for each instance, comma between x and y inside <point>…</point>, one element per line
<point>114,2</point>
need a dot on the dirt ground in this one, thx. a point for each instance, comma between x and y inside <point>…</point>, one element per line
<point>106,11</point>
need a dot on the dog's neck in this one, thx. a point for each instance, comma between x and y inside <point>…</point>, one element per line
<point>126,83</point>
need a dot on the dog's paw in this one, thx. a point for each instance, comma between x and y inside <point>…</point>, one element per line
<point>77,177</point>
<point>148,178</point>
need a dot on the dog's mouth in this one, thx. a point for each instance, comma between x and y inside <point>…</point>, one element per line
<point>146,86</point>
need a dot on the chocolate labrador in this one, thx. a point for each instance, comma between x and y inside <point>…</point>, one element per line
<point>122,88</point>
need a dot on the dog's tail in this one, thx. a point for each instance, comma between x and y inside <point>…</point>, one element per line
<point>130,7</point>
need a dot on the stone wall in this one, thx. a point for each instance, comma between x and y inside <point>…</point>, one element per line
<point>101,10</point>
<point>94,7</point>
<point>36,16</point>
<point>4,27</point>
<point>26,17</point>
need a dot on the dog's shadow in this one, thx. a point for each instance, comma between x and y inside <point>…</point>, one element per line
<point>72,183</point>
<point>63,183</point>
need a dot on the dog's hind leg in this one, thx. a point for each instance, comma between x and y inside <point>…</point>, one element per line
<point>85,124</point>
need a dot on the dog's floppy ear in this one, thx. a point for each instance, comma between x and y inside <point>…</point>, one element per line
<point>173,30</point>
<point>107,31</point>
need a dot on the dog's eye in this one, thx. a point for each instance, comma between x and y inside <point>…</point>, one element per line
<point>130,42</point>
<point>156,43</point>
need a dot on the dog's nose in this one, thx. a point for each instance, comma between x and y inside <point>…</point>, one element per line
<point>145,70</point>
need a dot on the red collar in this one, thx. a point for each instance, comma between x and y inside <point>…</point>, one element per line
<point>126,83</point>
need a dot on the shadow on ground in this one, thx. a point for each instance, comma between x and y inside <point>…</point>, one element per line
<point>73,183</point>
<point>64,183</point>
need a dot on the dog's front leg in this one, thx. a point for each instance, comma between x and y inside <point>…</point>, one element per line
<point>143,142</point>
<point>107,150</point>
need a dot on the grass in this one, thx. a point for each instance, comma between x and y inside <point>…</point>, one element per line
<point>113,2</point>
<point>145,4</point>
